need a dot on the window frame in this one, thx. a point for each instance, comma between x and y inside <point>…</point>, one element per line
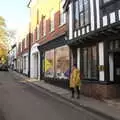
<point>52,20</point>
<point>85,65</point>
<point>82,17</point>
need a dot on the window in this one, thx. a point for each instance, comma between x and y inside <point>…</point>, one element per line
<point>37,16</point>
<point>76,14</point>
<point>38,33</point>
<point>86,12</point>
<point>56,62</point>
<point>44,26</point>
<point>52,21</point>
<point>49,63</point>
<point>81,13</point>
<point>62,61</point>
<point>90,62</point>
<point>25,42</point>
<point>62,14</point>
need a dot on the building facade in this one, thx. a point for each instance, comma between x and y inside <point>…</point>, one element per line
<point>94,40</point>
<point>49,51</point>
<point>12,57</point>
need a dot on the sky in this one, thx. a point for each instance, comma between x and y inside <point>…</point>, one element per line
<point>15,13</point>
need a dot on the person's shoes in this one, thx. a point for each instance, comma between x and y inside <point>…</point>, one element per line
<point>78,97</point>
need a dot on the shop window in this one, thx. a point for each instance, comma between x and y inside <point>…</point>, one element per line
<point>90,62</point>
<point>62,61</point>
<point>49,63</point>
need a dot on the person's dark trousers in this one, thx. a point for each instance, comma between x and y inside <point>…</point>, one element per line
<point>78,92</point>
<point>73,92</point>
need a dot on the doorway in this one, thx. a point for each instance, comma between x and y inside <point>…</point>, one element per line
<point>117,67</point>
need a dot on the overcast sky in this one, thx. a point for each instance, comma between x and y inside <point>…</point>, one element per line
<point>15,13</point>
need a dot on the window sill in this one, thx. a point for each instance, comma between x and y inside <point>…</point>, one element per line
<point>62,24</point>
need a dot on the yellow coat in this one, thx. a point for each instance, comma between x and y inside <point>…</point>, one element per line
<point>75,78</point>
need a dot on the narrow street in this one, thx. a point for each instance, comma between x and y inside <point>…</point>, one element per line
<point>19,101</point>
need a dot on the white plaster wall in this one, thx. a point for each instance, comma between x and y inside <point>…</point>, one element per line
<point>38,65</point>
<point>92,15</point>
<point>70,20</point>
<point>34,50</point>
<point>78,58</point>
<point>98,13</point>
<point>25,71</point>
<point>101,60</point>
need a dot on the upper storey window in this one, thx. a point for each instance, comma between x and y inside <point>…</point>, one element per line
<point>81,8</point>
<point>52,20</point>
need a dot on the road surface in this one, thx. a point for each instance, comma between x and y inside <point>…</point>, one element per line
<point>20,101</point>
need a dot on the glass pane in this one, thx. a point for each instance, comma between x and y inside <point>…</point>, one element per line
<point>81,19</point>
<point>86,11</point>
<point>80,5</point>
<point>49,63</point>
<point>111,45</point>
<point>62,61</point>
<point>76,15</point>
<point>89,63</point>
<point>85,62</point>
<point>86,17</point>
<point>116,43</point>
<point>94,63</point>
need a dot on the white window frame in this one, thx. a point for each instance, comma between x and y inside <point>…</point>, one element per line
<point>25,42</point>
<point>62,14</point>
<point>38,33</point>
<point>44,26</point>
<point>52,24</point>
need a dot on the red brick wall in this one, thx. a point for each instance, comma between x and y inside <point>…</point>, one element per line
<point>100,91</point>
<point>58,30</point>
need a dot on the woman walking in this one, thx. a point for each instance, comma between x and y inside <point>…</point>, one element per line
<point>75,82</point>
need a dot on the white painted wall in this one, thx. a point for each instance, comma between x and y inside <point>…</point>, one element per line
<point>33,68</point>
<point>101,60</point>
<point>78,58</point>
<point>25,71</point>
<point>92,15</point>
<point>98,13</point>
<point>70,20</point>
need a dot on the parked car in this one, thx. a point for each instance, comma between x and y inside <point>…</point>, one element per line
<point>3,67</point>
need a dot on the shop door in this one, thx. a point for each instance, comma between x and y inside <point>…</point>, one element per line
<point>117,66</point>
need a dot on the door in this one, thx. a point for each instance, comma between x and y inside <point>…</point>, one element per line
<point>117,66</point>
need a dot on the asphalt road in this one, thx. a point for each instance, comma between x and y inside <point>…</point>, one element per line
<point>20,101</point>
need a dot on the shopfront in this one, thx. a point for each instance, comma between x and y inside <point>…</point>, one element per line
<point>55,61</point>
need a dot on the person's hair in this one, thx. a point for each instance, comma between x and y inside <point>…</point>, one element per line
<point>75,65</point>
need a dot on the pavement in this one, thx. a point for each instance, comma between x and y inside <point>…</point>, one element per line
<point>110,109</point>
